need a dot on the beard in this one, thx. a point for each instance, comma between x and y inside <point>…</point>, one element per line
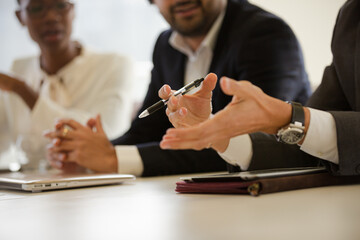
<point>190,26</point>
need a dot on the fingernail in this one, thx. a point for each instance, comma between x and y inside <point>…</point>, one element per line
<point>167,137</point>
<point>164,146</point>
<point>164,90</point>
<point>182,112</point>
<point>169,133</point>
<point>226,80</point>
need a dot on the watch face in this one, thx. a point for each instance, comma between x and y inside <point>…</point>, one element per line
<point>292,136</point>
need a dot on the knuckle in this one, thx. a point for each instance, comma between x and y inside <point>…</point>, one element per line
<point>72,122</point>
<point>75,156</point>
<point>167,111</point>
<point>173,119</point>
<point>171,106</point>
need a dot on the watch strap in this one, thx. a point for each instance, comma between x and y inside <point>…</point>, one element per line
<point>297,114</point>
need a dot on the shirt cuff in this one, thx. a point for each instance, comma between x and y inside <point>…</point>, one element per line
<point>239,152</point>
<point>129,160</point>
<point>321,139</point>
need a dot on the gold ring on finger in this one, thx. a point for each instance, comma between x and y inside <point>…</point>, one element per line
<point>65,132</point>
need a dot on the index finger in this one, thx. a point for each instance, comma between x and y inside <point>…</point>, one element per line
<point>58,134</point>
<point>68,122</point>
<point>165,92</point>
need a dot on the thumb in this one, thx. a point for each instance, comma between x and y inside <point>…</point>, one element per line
<point>236,88</point>
<point>208,86</point>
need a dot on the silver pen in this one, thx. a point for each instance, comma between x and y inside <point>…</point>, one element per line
<point>162,103</point>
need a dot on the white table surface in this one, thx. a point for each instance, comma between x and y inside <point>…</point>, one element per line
<point>148,208</point>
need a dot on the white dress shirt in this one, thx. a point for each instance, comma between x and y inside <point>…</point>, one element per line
<point>197,66</point>
<point>320,141</point>
<point>90,84</point>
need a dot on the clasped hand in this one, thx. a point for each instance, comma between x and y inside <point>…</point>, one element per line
<point>81,147</point>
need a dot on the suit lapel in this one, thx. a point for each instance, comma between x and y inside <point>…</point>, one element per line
<point>176,71</point>
<point>219,56</point>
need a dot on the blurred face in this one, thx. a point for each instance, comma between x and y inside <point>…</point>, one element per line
<point>190,17</point>
<point>49,22</point>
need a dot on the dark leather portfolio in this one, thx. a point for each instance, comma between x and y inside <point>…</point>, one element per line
<point>265,185</point>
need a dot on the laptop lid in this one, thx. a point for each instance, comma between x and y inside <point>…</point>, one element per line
<point>37,182</point>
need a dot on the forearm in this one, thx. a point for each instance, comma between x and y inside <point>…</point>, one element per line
<point>28,95</point>
<point>219,146</point>
<point>284,113</point>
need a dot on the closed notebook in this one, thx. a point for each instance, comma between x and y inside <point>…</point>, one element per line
<point>256,186</point>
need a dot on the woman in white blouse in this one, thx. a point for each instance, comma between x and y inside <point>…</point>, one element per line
<point>65,81</point>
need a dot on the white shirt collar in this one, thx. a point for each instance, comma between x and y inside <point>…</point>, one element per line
<point>177,40</point>
<point>68,67</point>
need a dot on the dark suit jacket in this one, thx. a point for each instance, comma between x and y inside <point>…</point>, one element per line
<point>338,93</point>
<point>252,44</point>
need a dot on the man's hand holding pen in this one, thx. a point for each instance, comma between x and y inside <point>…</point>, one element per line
<point>188,110</point>
<point>163,102</point>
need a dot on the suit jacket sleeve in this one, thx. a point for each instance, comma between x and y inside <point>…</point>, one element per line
<point>338,93</point>
<point>331,97</point>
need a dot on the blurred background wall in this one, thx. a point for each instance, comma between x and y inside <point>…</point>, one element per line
<point>132,26</point>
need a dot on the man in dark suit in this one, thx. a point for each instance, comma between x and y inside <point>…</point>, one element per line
<point>330,134</point>
<point>230,38</point>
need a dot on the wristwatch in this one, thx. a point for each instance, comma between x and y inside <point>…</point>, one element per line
<point>294,132</point>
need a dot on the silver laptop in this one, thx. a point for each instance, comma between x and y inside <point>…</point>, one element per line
<point>37,182</point>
